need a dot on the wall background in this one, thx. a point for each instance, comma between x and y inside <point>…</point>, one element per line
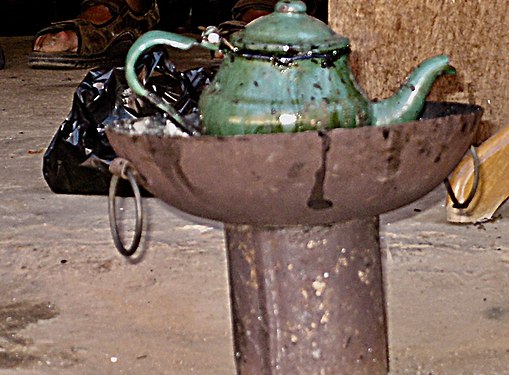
<point>390,37</point>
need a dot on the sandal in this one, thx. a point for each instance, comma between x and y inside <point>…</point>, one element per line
<point>103,44</point>
<point>242,6</point>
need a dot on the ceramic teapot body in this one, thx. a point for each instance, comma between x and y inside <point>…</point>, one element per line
<point>254,96</point>
<point>288,72</point>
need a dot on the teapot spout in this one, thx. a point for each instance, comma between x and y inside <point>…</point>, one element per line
<point>407,104</point>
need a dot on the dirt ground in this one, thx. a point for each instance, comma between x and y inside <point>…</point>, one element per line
<point>69,304</point>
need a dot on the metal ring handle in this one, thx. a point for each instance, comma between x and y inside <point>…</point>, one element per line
<point>127,252</point>
<point>454,199</point>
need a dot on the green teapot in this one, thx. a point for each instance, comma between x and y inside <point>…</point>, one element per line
<point>287,72</point>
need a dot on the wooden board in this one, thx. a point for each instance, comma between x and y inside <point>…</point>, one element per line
<point>493,188</point>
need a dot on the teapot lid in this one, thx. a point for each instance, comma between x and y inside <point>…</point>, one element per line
<point>288,31</point>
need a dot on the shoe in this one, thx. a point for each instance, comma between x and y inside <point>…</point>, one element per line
<point>243,6</point>
<point>98,45</point>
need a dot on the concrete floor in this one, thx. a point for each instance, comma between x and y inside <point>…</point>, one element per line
<point>69,304</point>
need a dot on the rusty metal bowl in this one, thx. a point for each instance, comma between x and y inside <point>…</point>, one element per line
<point>302,178</point>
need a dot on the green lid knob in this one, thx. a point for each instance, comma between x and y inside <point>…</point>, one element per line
<point>289,6</point>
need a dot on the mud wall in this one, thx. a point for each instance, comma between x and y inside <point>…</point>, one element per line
<point>390,37</point>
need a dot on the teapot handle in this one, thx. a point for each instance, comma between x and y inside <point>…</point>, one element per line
<point>210,40</point>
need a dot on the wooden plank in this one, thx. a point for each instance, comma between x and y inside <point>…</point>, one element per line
<point>493,187</point>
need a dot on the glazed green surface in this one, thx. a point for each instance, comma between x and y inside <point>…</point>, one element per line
<point>288,72</point>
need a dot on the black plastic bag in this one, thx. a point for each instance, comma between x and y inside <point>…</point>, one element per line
<point>78,157</point>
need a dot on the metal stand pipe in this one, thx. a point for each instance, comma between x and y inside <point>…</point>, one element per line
<point>308,300</point>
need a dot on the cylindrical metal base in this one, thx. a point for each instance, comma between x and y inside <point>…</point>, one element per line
<point>308,300</point>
